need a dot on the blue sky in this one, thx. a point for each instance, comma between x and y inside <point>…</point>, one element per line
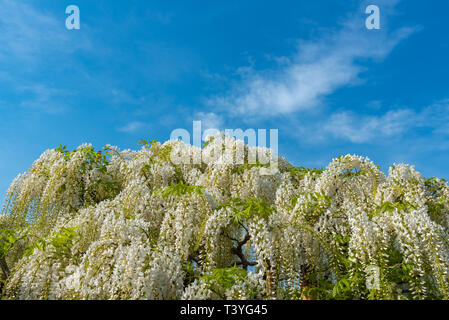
<point>140,69</point>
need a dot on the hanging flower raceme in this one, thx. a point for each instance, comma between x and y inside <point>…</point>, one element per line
<point>173,221</point>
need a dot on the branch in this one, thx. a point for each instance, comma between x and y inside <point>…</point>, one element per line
<point>238,251</point>
<point>4,267</point>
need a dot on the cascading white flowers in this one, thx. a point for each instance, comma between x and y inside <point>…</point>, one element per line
<point>128,224</point>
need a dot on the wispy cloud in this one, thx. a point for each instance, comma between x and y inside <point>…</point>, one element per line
<point>359,129</point>
<point>35,44</point>
<point>318,69</point>
<point>132,127</point>
<point>27,33</point>
<point>210,120</point>
<point>37,96</point>
<point>44,98</point>
<point>356,128</point>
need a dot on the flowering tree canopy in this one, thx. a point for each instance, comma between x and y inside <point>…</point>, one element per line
<point>127,224</point>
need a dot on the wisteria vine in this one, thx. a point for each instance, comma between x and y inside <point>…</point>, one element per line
<point>122,224</point>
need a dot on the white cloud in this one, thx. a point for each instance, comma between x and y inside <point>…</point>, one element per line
<point>44,98</point>
<point>132,127</point>
<point>362,128</point>
<point>210,120</point>
<point>33,40</point>
<point>436,117</point>
<point>27,33</point>
<point>318,69</point>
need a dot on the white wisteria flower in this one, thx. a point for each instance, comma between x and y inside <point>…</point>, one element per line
<point>115,224</point>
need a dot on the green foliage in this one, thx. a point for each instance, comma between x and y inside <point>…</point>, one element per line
<point>436,209</point>
<point>191,272</point>
<point>211,140</point>
<point>61,240</point>
<point>437,203</point>
<point>353,173</point>
<point>9,238</point>
<point>301,172</point>
<point>220,280</point>
<point>94,158</point>
<point>434,185</point>
<point>225,277</point>
<point>245,209</point>
<point>180,189</point>
<point>248,166</point>
<point>344,288</point>
<point>316,205</point>
<point>349,277</point>
<point>103,189</point>
<point>387,206</point>
<point>161,152</point>
<point>146,143</point>
<point>63,149</point>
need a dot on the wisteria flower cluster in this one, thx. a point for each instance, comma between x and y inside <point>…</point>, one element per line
<point>122,224</point>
